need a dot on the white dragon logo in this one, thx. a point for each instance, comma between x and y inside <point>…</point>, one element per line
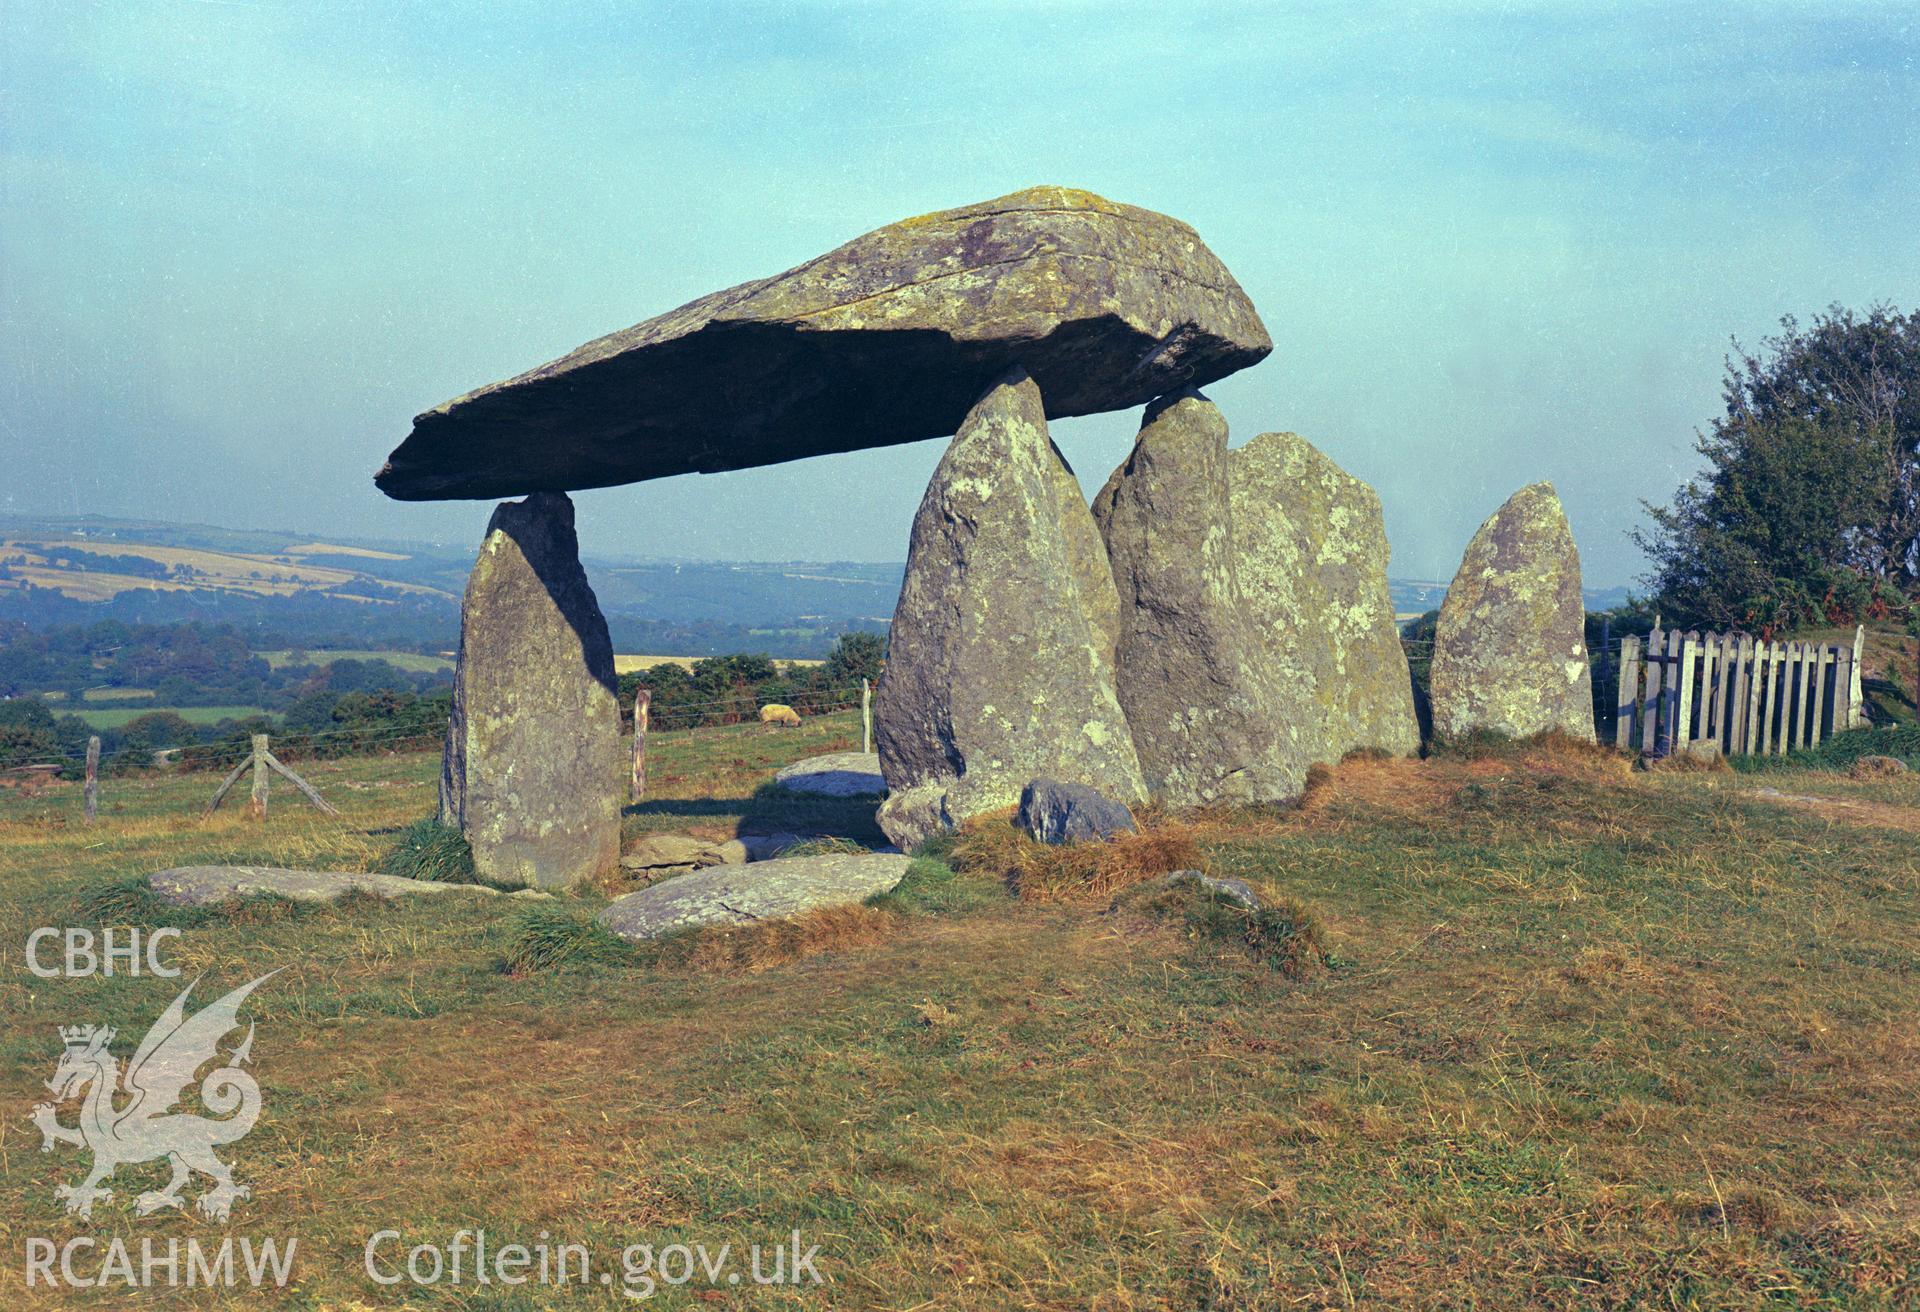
<point>145,1127</point>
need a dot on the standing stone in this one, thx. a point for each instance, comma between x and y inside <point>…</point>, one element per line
<point>1209,714</point>
<point>533,758</point>
<point>1510,652</point>
<point>999,668</point>
<point>1312,545</point>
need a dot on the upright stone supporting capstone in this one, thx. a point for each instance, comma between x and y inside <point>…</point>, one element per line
<point>1210,716</point>
<point>1510,652</point>
<point>1312,547</point>
<point>999,666</point>
<point>533,763</point>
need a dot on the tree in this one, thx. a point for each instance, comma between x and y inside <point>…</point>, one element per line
<point>148,733</point>
<point>26,732</point>
<point>855,656</point>
<point>1809,508</point>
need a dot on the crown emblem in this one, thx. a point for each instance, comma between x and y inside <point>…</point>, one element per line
<point>80,1036</point>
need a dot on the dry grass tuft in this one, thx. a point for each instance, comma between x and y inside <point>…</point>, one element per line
<point>1282,933</point>
<point>1374,783</point>
<point>1072,872</point>
<point>1877,767</point>
<point>753,948</point>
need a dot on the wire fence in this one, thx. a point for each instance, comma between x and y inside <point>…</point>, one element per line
<point>732,712</point>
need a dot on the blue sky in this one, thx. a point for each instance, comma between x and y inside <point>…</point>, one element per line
<point>244,243</point>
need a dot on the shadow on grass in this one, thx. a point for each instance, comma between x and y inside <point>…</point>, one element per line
<point>771,810</point>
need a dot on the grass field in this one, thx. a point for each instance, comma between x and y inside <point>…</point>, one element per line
<point>100,695</point>
<point>118,717</point>
<point>1586,1038</point>
<point>279,575</point>
<point>417,662</point>
<point>626,663</point>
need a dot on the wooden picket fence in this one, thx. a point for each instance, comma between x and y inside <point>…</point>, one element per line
<point>1734,694</point>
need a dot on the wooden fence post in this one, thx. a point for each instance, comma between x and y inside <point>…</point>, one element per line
<point>1709,686</point>
<point>1709,682</point>
<point>642,710</point>
<point>1606,643</point>
<point>1669,693</point>
<point>866,715</point>
<point>261,760</point>
<point>1789,738</point>
<point>1650,697</point>
<point>257,804</point>
<point>306,789</point>
<point>1840,714</point>
<point>1822,664</point>
<point>1730,702</point>
<point>1763,676</point>
<point>93,776</point>
<point>1747,695</point>
<point>1689,656</point>
<point>1856,699</point>
<point>1794,695</point>
<point>1626,696</point>
<point>1778,691</point>
<point>1809,662</point>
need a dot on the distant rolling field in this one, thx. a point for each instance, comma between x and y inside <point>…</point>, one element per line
<point>624,663</point>
<point>102,695</point>
<point>118,717</point>
<point>402,660</point>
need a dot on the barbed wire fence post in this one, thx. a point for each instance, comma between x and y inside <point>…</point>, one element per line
<point>642,707</point>
<point>93,777</point>
<point>262,761</point>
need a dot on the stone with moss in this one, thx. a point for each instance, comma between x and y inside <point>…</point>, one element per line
<point>745,895</point>
<point>999,666</point>
<point>202,886</point>
<point>1209,712</point>
<point>1312,552</point>
<point>1510,652</point>
<point>888,339</point>
<point>533,754</point>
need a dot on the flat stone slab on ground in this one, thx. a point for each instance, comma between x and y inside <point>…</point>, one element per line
<point>741,895</point>
<point>200,886</point>
<point>837,774</point>
<point>665,851</point>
